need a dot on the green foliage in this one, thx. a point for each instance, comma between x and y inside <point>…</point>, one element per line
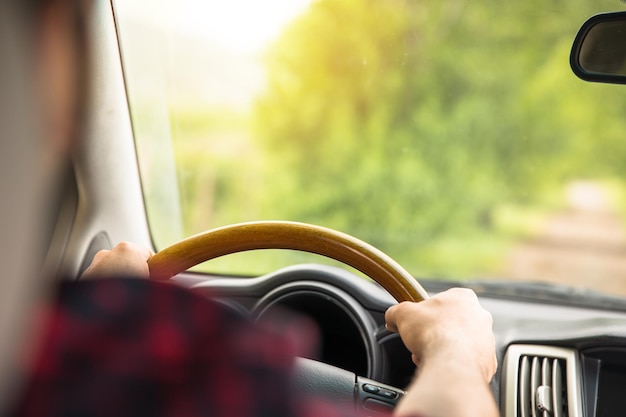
<point>406,122</point>
<point>413,125</point>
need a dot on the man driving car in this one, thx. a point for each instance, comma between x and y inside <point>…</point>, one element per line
<point>125,345</point>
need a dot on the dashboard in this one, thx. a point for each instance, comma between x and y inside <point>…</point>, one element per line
<point>554,360</point>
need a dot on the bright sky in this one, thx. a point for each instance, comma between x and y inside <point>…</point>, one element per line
<point>242,25</point>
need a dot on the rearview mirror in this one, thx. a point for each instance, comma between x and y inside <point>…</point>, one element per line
<point>599,50</point>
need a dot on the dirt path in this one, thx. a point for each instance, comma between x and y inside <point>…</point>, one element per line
<point>583,245</point>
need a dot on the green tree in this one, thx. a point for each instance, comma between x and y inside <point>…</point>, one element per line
<point>406,121</point>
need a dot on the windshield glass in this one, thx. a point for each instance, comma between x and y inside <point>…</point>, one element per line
<point>452,134</point>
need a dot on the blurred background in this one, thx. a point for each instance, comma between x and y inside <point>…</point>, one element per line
<point>451,134</point>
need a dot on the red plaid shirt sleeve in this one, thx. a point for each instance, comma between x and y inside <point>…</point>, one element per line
<point>130,347</point>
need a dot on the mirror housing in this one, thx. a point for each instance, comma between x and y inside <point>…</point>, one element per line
<point>599,49</point>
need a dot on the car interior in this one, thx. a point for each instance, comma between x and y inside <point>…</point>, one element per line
<point>561,350</point>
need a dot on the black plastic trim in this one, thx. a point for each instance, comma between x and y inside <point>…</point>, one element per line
<point>578,40</point>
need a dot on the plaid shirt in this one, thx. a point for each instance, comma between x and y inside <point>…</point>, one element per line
<point>130,347</point>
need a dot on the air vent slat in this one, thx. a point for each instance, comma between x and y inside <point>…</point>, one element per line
<point>535,383</point>
<point>546,372</point>
<point>524,383</point>
<point>545,391</point>
<point>557,389</point>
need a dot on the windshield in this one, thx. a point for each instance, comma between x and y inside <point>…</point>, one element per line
<point>452,135</point>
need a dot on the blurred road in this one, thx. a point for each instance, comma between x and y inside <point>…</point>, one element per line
<point>583,245</point>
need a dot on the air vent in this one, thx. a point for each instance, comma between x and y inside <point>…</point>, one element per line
<point>542,387</point>
<point>541,381</point>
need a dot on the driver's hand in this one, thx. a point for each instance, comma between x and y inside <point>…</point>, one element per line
<point>124,260</point>
<point>450,325</point>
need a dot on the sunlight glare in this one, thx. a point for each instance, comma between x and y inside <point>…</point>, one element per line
<point>246,26</point>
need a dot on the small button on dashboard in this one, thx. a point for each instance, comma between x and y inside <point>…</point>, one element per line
<point>388,394</point>
<point>376,398</point>
<point>372,389</point>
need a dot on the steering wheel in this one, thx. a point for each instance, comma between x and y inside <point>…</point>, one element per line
<point>313,377</point>
<point>288,235</point>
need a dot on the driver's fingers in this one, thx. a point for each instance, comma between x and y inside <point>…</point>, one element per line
<point>415,359</point>
<point>393,315</point>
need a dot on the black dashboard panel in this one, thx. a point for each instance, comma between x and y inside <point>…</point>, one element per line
<point>605,381</point>
<point>350,311</point>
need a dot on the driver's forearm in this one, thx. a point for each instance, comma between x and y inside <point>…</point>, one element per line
<point>448,388</point>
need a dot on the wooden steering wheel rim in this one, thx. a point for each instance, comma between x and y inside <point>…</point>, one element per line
<point>287,235</point>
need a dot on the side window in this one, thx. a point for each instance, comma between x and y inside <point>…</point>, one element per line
<point>195,71</point>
